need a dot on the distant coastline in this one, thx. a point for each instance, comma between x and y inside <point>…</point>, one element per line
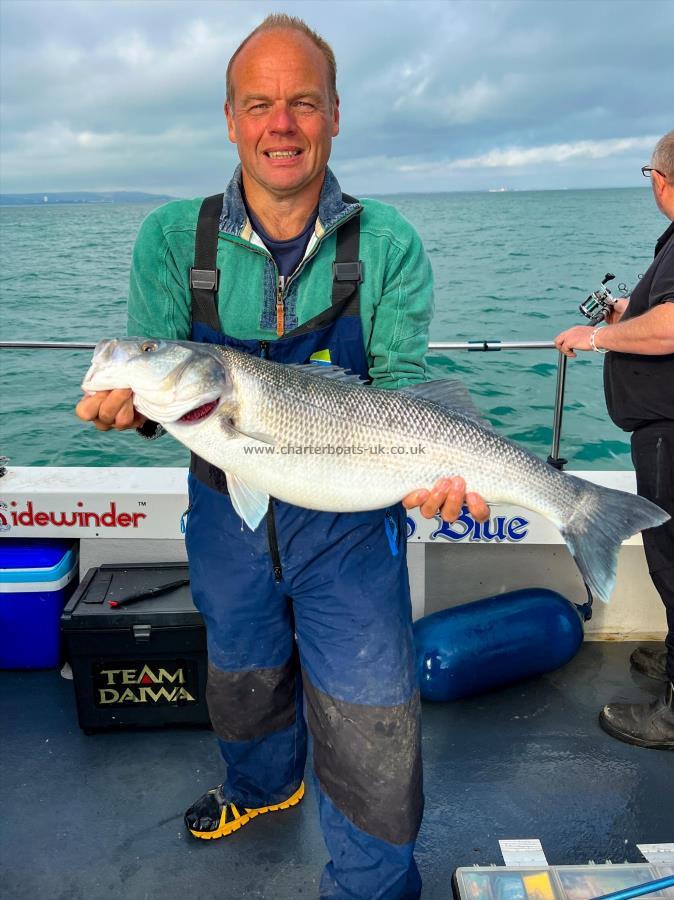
<point>62,198</point>
<point>69,197</point>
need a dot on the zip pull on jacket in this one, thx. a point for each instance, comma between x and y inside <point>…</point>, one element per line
<point>280,312</point>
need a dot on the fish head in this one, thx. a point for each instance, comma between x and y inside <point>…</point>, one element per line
<point>173,382</point>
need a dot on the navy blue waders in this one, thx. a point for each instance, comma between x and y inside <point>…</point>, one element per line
<point>312,605</point>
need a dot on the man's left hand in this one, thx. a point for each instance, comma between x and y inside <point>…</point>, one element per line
<point>576,338</point>
<point>447,498</point>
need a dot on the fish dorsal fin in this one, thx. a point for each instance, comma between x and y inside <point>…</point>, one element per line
<point>451,395</point>
<point>250,503</point>
<point>336,373</point>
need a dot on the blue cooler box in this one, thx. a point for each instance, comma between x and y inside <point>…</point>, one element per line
<point>36,579</point>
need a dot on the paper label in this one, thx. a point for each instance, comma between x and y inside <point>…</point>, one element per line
<point>523,853</point>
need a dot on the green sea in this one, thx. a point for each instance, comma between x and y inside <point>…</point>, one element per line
<point>508,266</point>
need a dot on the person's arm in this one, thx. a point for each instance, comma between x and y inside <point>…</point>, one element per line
<point>398,345</point>
<point>156,308</point>
<point>650,334</point>
<point>159,296</point>
<point>399,338</point>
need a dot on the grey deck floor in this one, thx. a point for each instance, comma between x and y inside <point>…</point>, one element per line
<point>101,816</point>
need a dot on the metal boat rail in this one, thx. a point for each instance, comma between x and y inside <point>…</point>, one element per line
<point>491,346</point>
<point>472,346</point>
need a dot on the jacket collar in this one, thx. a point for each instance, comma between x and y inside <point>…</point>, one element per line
<point>331,207</point>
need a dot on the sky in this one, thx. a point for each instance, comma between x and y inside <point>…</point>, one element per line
<point>436,95</point>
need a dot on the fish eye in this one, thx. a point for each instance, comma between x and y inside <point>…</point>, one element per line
<point>149,346</point>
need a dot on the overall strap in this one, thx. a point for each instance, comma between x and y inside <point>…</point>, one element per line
<point>204,274</point>
<point>347,269</point>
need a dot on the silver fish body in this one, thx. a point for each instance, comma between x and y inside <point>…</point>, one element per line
<point>318,438</point>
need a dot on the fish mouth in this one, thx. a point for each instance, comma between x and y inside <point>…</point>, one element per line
<point>199,413</point>
<point>188,411</point>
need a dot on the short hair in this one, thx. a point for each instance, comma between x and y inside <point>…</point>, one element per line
<point>279,22</point>
<point>663,155</point>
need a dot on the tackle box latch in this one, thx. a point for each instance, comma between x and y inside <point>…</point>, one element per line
<point>141,633</point>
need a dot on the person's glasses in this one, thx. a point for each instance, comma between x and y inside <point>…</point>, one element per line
<point>646,171</point>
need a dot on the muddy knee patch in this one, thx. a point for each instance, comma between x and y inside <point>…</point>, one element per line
<point>368,762</point>
<point>249,704</point>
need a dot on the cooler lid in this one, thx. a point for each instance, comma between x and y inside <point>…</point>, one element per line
<point>33,553</point>
<point>89,607</point>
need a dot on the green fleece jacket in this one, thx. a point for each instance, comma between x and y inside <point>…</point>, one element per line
<point>396,297</point>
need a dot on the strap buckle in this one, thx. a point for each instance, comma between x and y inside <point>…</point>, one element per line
<point>348,271</point>
<point>204,279</point>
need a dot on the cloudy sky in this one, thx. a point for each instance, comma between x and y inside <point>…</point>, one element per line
<point>435,94</point>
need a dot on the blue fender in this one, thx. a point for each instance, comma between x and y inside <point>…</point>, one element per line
<point>494,642</point>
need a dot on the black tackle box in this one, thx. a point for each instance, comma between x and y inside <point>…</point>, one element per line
<point>141,664</point>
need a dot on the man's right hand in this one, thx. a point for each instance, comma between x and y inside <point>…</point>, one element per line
<point>110,409</point>
<point>617,309</point>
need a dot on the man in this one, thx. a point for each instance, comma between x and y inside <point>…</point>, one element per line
<point>639,386</point>
<point>321,593</point>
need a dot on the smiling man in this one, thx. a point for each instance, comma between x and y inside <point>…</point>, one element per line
<point>311,606</point>
<point>282,119</point>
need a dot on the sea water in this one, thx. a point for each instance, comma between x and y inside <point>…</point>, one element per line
<point>508,266</point>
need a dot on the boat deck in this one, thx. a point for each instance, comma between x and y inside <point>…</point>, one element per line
<point>98,817</point>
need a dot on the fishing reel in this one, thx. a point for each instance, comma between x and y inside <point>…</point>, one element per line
<point>598,305</point>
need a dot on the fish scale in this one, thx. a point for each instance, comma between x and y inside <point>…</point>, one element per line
<point>297,409</point>
<point>265,409</point>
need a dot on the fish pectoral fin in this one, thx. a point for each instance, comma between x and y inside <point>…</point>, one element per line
<point>249,503</point>
<point>259,437</point>
<point>247,437</point>
<point>451,395</point>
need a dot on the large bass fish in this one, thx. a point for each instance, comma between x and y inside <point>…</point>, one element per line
<point>318,437</point>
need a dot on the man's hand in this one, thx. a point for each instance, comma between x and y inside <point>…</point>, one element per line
<point>614,314</point>
<point>110,409</point>
<point>447,498</point>
<point>576,338</point>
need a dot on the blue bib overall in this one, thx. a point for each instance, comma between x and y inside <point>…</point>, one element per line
<point>312,606</point>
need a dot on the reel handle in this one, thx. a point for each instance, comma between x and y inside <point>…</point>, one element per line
<point>607,277</point>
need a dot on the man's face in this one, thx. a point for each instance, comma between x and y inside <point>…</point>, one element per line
<point>281,117</point>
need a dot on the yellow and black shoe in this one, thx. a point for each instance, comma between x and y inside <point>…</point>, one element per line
<point>213,816</point>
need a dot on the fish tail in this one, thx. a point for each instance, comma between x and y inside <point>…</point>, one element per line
<point>600,521</point>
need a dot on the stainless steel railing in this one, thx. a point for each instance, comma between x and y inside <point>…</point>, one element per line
<point>491,346</point>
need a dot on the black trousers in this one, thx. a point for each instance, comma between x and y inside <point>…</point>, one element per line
<point>653,458</point>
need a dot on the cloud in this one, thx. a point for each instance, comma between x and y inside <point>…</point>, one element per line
<point>469,103</point>
<point>128,94</point>
<point>516,157</point>
<point>86,160</point>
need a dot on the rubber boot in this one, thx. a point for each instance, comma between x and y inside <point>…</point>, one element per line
<point>651,662</point>
<point>213,816</point>
<point>642,724</point>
